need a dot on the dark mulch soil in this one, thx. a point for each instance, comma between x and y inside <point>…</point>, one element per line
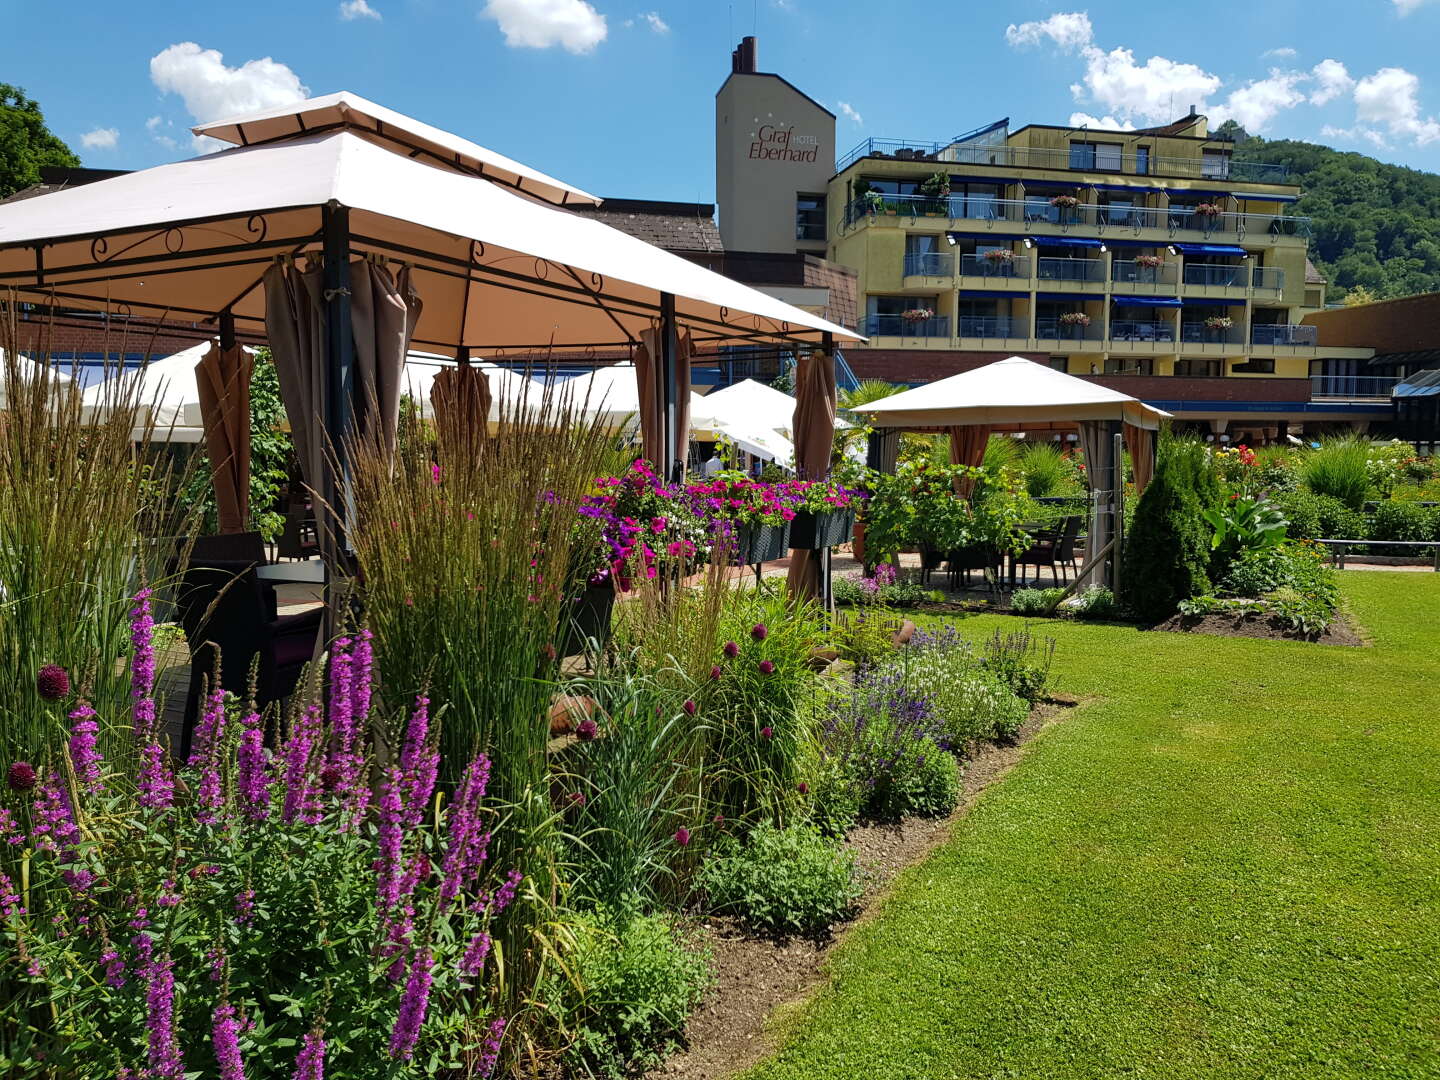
<point>1341,632</point>
<point>757,975</point>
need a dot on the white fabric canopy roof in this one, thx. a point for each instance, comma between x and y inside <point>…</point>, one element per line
<point>27,371</point>
<point>612,393</point>
<point>756,405</point>
<point>1014,390</point>
<point>168,390</point>
<point>190,239</point>
<point>360,114</point>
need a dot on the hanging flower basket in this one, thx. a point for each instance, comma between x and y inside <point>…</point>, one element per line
<point>1074,318</point>
<point>1209,210</point>
<point>1065,202</point>
<point>917,315</point>
<point>1219,322</point>
<point>1149,262</point>
<point>824,529</point>
<point>761,543</point>
<point>587,618</point>
<point>998,256</point>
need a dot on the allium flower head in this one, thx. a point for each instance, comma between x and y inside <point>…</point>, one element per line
<point>689,707</point>
<point>715,672</point>
<point>803,788</point>
<point>682,836</point>
<point>767,667</point>
<point>52,682</point>
<point>587,730</point>
<point>767,732</point>
<point>21,776</point>
<point>759,632</point>
<point>732,650</point>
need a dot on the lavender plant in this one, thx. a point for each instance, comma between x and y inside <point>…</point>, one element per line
<point>970,702</point>
<point>248,912</point>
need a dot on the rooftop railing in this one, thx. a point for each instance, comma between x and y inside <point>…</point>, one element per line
<point>1282,334</point>
<point>1353,387</point>
<point>1074,159</point>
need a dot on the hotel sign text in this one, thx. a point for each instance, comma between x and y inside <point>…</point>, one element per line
<point>783,144</point>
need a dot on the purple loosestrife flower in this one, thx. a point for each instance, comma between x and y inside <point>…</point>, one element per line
<point>114,966</point>
<point>83,754</point>
<point>390,838</point>
<point>468,839</point>
<point>310,1062</point>
<point>162,1041</point>
<point>54,827</point>
<point>506,893</point>
<point>20,776</point>
<point>9,831</point>
<point>9,898</point>
<point>52,682</point>
<point>297,754</point>
<point>211,728</point>
<point>225,1038</point>
<point>155,784</point>
<point>245,907</point>
<point>490,1053</point>
<point>473,961</point>
<point>340,711</point>
<point>362,677</point>
<point>252,781</point>
<point>414,1003</point>
<point>142,667</point>
<point>419,765</point>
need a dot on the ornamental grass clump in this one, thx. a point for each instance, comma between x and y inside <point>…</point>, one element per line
<point>1340,468</point>
<point>83,501</point>
<point>250,914</point>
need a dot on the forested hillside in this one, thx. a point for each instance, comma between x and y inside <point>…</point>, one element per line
<point>1376,225</point>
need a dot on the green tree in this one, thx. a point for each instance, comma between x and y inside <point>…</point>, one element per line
<point>1167,549</point>
<point>25,142</point>
<point>1359,295</point>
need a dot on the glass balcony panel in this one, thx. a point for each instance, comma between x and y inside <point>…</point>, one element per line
<point>929,264</point>
<point>1017,266</point>
<point>1221,274</point>
<point>1199,333</point>
<point>1071,269</point>
<point>937,326</point>
<point>992,326</point>
<point>1141,330</point>
<point>1282,334</point>
<point>1059,330</point>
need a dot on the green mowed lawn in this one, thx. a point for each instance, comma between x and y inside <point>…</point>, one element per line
<point>1225,864</point>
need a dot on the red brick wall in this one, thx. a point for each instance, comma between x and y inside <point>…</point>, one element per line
<point>1409,324</point>
<point>1180,388</point>
<point>61,339</point>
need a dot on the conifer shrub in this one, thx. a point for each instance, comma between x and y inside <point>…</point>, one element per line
<point>1167,550</point>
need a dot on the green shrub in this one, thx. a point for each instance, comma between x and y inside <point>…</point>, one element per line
<point>1339,468</point>
<point>638,982</point>
<point>836,799</point>
<point>791,880</point>
<point>1036,601</point>
<point>1095,602</point>
<point>1302,513</point>
<point>1300,612</point>
<point>1020,662</point>
<point>927,785</point>
<point>1045,469</point>
<point>864,636</point>
<point>968,701</point>
<point>1167,547</point>
<point>1291,565</point>
<point>1339,522</point>
<point>1403,521</point>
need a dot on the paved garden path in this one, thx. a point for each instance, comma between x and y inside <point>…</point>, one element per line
<point>1225,865</point>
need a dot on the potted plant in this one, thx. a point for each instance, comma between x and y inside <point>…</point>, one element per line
<point>1219,322</point>
<point>1067,206</point>
<point>1000,261</point>
<point>917,315</point>
<point>824,513</point>
<point>1147,267</point>
<point>750,517</point>
<point>1209,210</point>
<point>1073,323</point>
<point>937,189</point>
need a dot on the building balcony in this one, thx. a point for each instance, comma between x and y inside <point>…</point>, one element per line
<point>1269,279</point>
<point>1145,337</point>
<point>1076,159</point>
<point>1056,330</point>
<point>1282,340</point>
<point>930,264</point>
<point>1352,387</point>
<point>1218,275</point>
<point>999,270</point>
<point>1212,340</point>
<point>1073,270</point>
<point>937,326</point>
<point>993,328</point>
<point>1129,273</point>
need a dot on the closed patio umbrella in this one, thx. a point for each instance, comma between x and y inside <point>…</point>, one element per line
<point>814,428</point>
<point>223,383</point>
<point>461,398</point>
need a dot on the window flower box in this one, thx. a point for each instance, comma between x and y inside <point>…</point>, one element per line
<point>917,315</point>
<point>755,544</point>
<point>1219,322</point>
<point>1209,210</point>
<point>587,618</point>
<point>1149,262</point>
<point>1074,318</point>
<point>813,530</point>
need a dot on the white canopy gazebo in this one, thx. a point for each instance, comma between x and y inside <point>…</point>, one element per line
<point>410,237</point>
<point>168,391</point>
<point>27,371</point>
<point>1012,393</point>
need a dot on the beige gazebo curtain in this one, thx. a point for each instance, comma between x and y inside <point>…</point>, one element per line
<point>460,397</point>
<point>814,431</point>
<point>967,447</point>
<point>648,371</point>
<point>383,311</point>
<point>223,380</point>
<point>1142,455</point>
<point>295,327</point>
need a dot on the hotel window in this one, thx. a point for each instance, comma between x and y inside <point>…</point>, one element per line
<point>810,217</point>
<point>1195,367</point>
<point>1142,161</point>
<point>1215,163</point>
<point>1096,157</point>
<point>1255,367</point>
<point>1060,363</point>
<point>1129,365</point>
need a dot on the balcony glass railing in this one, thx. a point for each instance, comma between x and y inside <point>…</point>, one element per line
<point>1269,277</point>
<point>1212,168</point>
<point>1057,330</point>
<point>929,264</point>
<point>1222,274</point>
<point>1352,386</point>
<point>1130,330</point>
<point>1200,334</point>
<point>937,326</point>
<point>1131,217</point>
<point>1128,272</point>
<point>1282,334</point>
<point>1071,269</point>
<point>993,326</point>
<point>1017,266</point>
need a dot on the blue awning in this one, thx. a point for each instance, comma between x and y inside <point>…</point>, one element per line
<point>1066,241</point>
<point>1211,301</point>
<point>1209,249</point>
<point>1147,301</point>
<point>1072,296</point>
<point>1249,197</point>
<point>986,293</point>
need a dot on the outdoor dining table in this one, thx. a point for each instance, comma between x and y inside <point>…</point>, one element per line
<point>309,572</point>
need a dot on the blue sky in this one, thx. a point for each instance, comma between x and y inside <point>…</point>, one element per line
<point>616,96</point>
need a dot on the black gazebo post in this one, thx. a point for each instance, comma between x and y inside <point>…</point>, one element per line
<point>671,466</point>
<point>338,399</point>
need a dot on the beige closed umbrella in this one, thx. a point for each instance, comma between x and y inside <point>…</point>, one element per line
<point>295,328</point>
<point>223,379</point>
<point>814,431</point>
<point>1142,455</point>
<point>460,398</point>
<point>967,447</point>
<point>648,373</point>
<point>383,311</point>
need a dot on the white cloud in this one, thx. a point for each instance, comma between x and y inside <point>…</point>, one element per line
<point>100,139</point>
<point>1389,100</point>
<point>211,90</point>
<point>1099,123</point>
<point>1405,7</point>
<point>655,22</point>
<point>1068,30</point>
<point>1156,91</point>
<point>538,24</point>
<point>1258,102</point>
<point>1285,52</point>
<point>1334,81</point>
<point>848,111</point>
<point>357,9</point>
<point>1330,131</point>
<point>153,124</point>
